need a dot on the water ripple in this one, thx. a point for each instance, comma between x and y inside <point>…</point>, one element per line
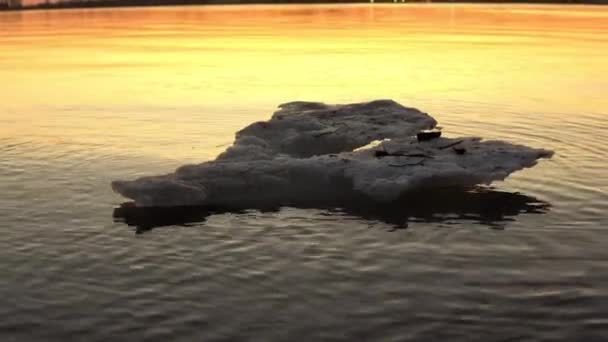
<point>72,268</point>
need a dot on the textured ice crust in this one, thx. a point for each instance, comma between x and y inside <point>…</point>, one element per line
<point>306,129</point>
<point>311,151</point>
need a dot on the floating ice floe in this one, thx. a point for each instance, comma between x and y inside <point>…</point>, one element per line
<point>311,152</point>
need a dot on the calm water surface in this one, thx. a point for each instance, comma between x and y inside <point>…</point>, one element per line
<point>88,96</point>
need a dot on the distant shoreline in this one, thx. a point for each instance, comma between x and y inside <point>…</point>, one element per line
<point>161,3</point>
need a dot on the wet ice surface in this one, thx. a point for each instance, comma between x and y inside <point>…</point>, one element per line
<point>304,153</point>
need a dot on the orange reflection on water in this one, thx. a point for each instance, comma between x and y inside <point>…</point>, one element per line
<point>177,74</point>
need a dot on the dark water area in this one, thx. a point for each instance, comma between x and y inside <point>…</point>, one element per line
<point>90,96</point>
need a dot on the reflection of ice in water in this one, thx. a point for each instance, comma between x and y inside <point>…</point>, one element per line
<point>482,205</point>
<point>311,152</point>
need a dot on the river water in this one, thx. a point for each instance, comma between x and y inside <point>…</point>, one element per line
<point>89,96</point>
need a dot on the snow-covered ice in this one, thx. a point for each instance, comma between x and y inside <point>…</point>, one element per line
<point>310,152</point>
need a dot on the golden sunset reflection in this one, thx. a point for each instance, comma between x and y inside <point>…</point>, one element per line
<point>188,77</point>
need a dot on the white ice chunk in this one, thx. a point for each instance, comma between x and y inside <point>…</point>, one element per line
<point>282,162</point>
<point>305,129</point>
<point>442,162</point>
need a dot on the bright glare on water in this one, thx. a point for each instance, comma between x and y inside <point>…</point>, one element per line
<point>89,96</point>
